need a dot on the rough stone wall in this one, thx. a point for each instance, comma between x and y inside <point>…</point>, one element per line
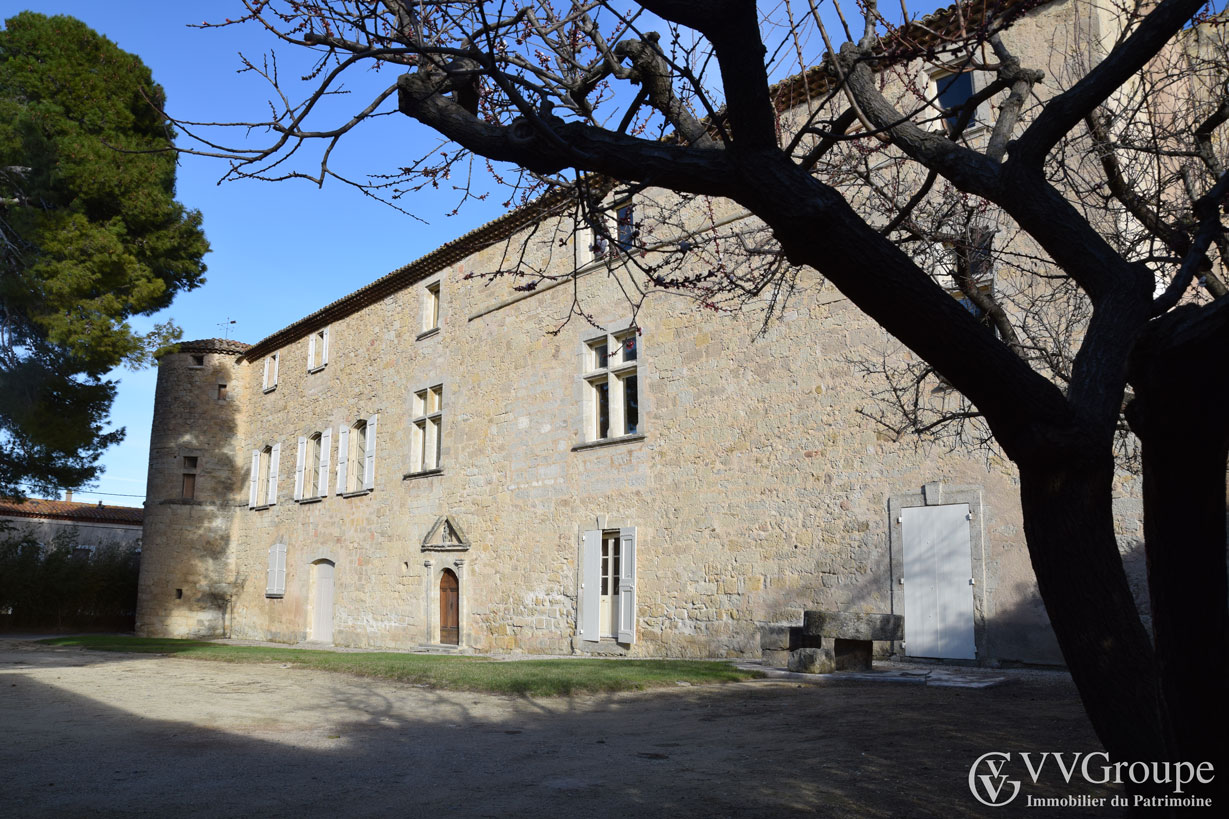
<point>46,530</point>
<point>757,490</point>
<point>186,579</point>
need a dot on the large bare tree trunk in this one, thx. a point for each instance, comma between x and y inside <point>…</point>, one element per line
<point>1068,522</point>
<point>1182,389</point>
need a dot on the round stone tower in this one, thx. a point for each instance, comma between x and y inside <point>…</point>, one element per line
<point>191,492</point>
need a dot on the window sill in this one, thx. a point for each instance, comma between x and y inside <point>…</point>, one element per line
<point>275,595</point>
<point>311,370</point>
<point>181,502</point>
<point>316,499</point>
<point>973,131</point>
<point>425,473</point>
<point>618,439</point>
<point>434,331</point>
<point>260,508</point>
<point>268,390</point>
<point>356,493</point>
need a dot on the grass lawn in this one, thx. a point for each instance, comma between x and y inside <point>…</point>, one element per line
<point>537,678</point>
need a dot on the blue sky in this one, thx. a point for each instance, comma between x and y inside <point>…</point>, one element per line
<point>279,250</point>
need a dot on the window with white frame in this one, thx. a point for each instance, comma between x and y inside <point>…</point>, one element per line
<point>269,383</point>
<point>431,307</point>
<point>607,599</point>
<point>972,262</point>
<point>262,490</point>
<point>589,245</point>
<point>950,90</point>
<point>627,232</point>
<point>356,457</point>
<point>427,442</point>
<point>318,350</point>
<point>275,576</point>
<point>311,473</point>
<point>612,386</point>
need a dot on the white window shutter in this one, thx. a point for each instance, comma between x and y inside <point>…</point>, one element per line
<point>274,457</point>
<point>277,357</point>
<point>343,455</point>
<point>281,569</point>
<point>298,468</point>
<point>275,582</point>
<point>311,351</point>
<point>627,585</point>
<point>271,574</point>
<point>591,586</point>
<point>252,490</point>
<point>324,348</point>
<point>264,382</point>
<point>369,458</point>
<point>322,479</point>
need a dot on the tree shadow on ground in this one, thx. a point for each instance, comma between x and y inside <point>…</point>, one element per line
<point>161,736</point>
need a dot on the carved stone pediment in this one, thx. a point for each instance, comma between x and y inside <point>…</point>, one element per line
<point>445,536</point>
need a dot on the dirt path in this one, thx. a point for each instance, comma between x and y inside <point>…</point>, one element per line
<point>97,734</point>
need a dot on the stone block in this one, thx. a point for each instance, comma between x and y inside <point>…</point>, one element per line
<point>812,660</point>
<point>775,658</point>
<point>775,637</point>
<point>800,640</point>
<point>853,625</point>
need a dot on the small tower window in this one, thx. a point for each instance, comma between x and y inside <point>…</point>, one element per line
<point>188,486</point>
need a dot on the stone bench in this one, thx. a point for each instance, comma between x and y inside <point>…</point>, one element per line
<point>829,641</point>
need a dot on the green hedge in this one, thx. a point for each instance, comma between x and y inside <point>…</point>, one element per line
<point>58,587</point>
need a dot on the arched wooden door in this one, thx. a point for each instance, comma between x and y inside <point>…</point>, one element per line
<point>450,631</point>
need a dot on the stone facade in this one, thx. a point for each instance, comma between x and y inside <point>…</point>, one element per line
<point>750,489</point>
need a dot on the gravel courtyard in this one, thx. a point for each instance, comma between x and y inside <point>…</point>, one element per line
<point>99,734</point>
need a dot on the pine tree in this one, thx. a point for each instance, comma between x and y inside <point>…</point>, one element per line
<point>90,236</point>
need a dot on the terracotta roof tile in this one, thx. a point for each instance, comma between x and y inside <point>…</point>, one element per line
<point>71,510</point>
<point>209,345</point>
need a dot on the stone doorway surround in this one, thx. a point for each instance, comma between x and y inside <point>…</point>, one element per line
<point>939,494</point>
<point>443,540</point>
<point>434,573</point>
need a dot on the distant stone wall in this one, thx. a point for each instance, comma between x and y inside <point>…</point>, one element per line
<point>45,531</point>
